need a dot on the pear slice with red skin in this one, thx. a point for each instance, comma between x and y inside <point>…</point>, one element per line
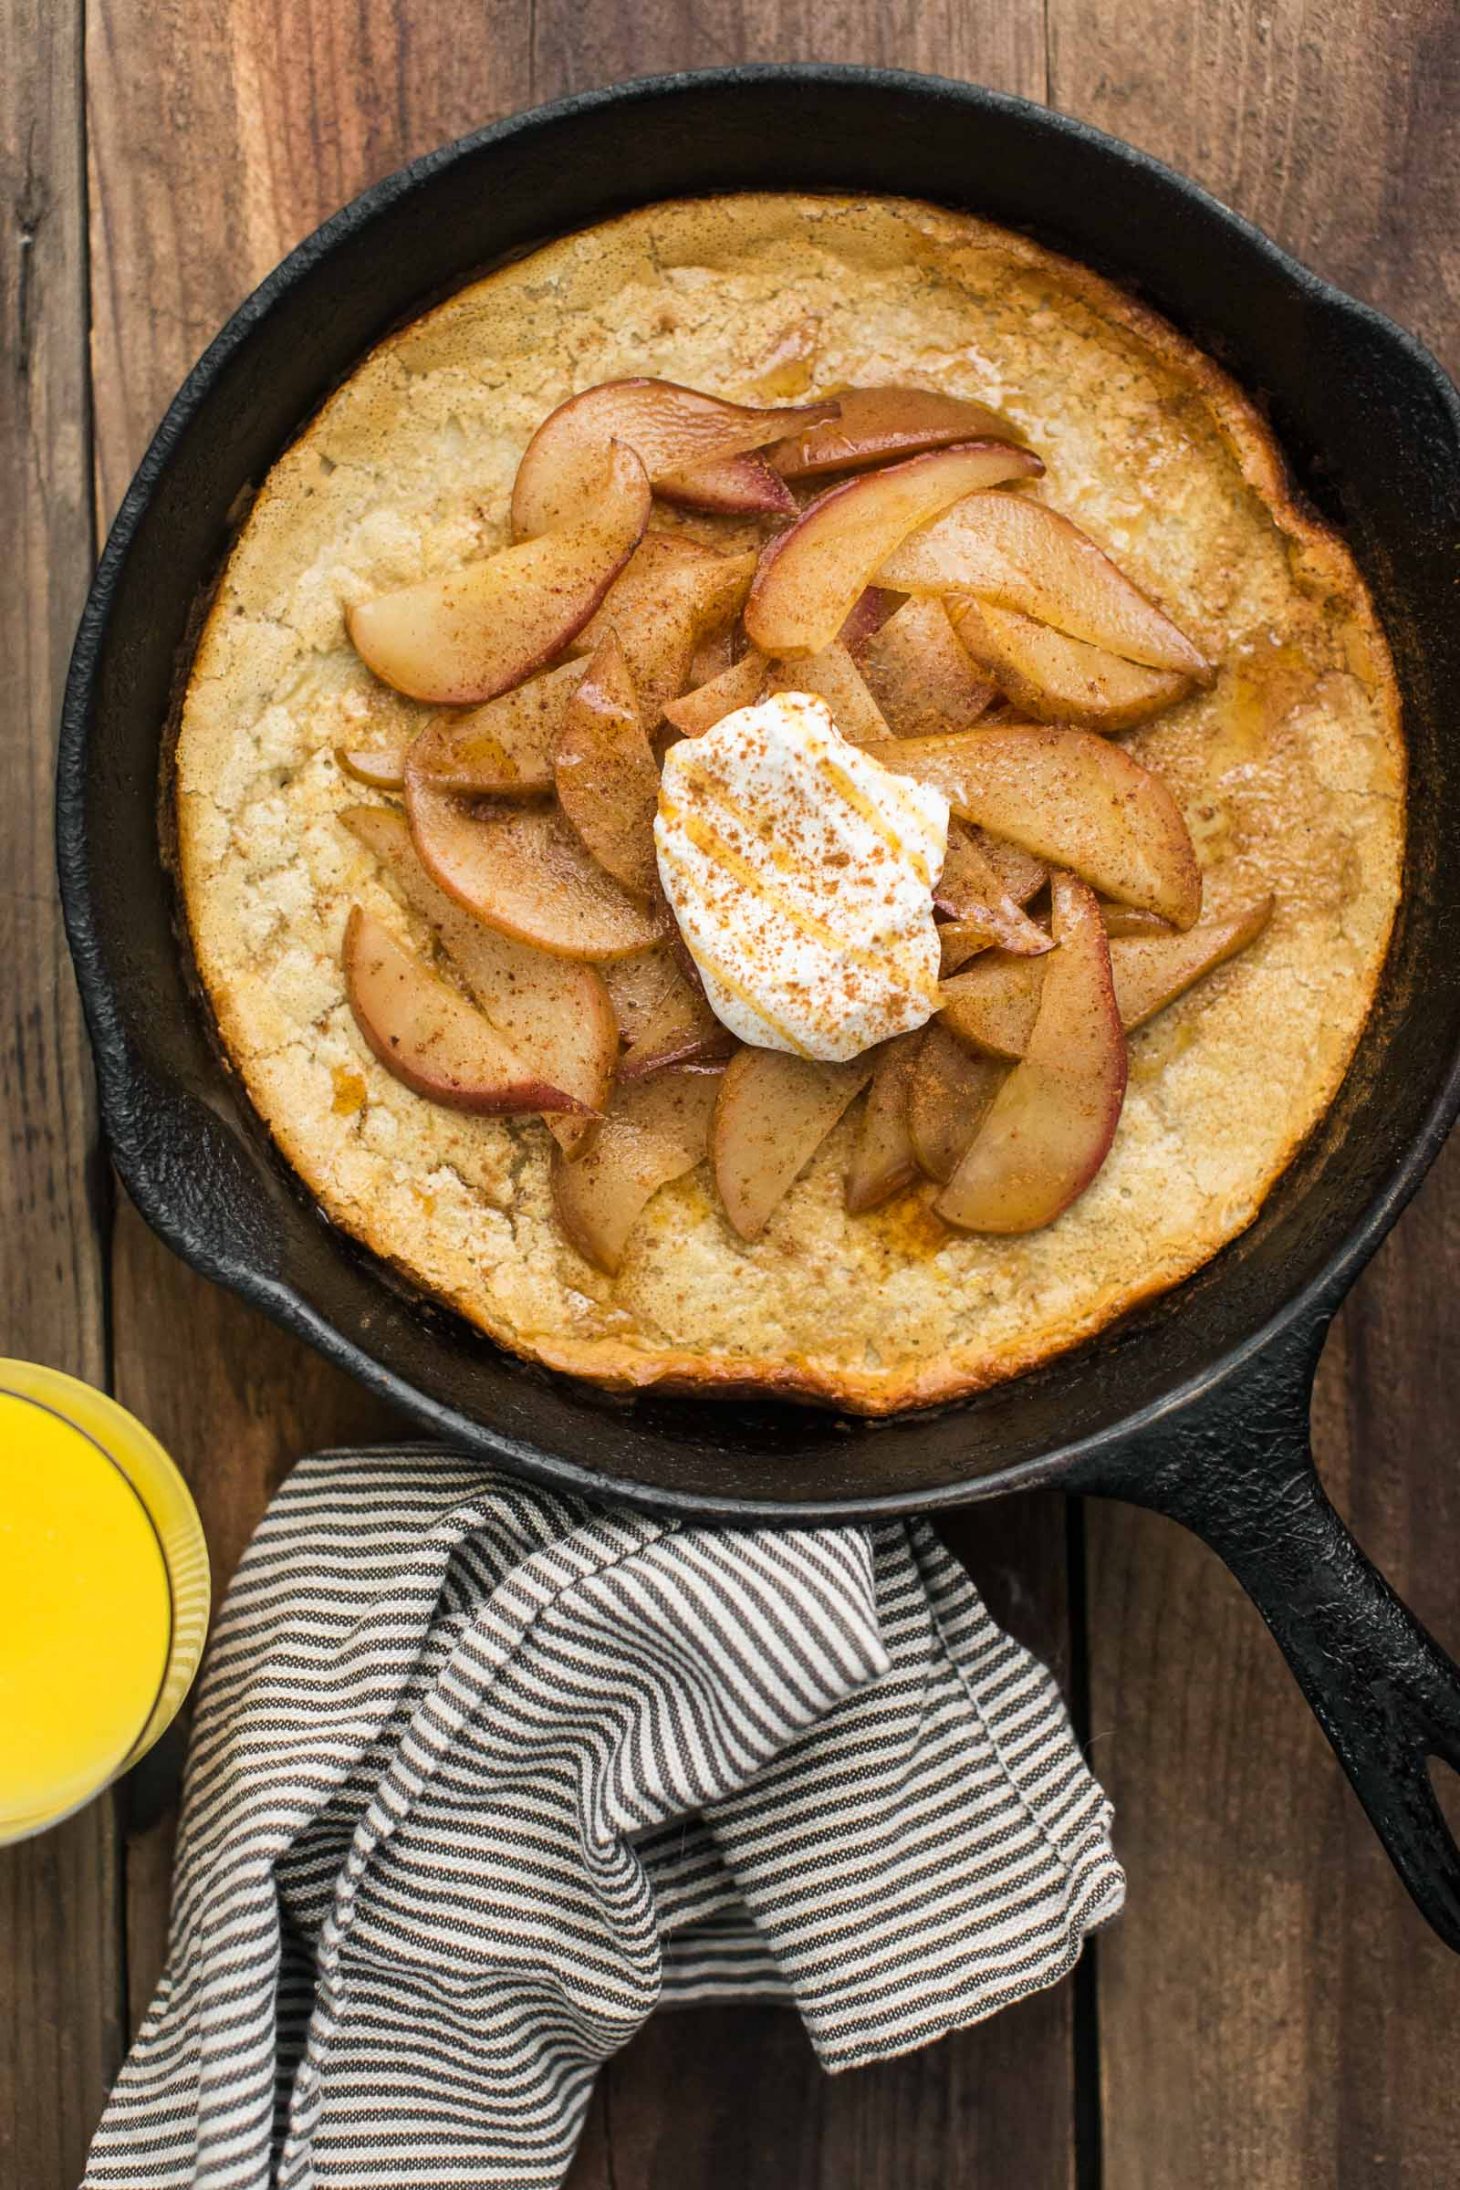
<point>523,871</point>
<point>868,613</point>
<point>672,429</point>
<point>1021,554</point>
<point>921,675</point>
<point>681,1029</point>
<point>554,1012</point>
<point>874,425</point>
<point>952,1088</point>
<point>833,676</point>
<point>741,685</point>
<point>605,772</point>
<point>426,1033</point>
<point>1055,678</point>
<point>730,486</point>
<point>671,596</point>
<point>969,888</point>
<point>1072,798</point>
<point>883,1162</point>
<point>505,748</point>
<point>482,629</point>
<point>995,1003</point>
<point>773,1113</point>
<point>809,580</point>
<point>1049,1128</point>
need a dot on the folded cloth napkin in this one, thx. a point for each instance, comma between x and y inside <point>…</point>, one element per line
<point>481,1775</point>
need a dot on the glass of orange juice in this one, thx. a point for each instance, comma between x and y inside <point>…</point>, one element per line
<point>104,1593</point>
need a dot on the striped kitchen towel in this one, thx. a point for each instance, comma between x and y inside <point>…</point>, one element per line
<point>481,1775</point>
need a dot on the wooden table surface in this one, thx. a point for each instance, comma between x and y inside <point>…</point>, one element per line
<point>1270,2011</point>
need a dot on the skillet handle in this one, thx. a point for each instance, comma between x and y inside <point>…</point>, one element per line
<point>1236,1467</point>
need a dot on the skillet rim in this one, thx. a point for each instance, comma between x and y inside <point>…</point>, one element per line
<point>1308,1307</point>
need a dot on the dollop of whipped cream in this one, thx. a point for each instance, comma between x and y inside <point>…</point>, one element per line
<point>801,873</point>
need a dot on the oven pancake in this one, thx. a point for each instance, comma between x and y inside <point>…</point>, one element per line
<point>1290,772</point>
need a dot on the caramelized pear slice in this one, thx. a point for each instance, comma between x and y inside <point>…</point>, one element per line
<point>883,1162</point>
<point>680,1029</point>
<point>523,871</point>
<point>969,888</point>
<point>382,767</point>
<point>1072,798</point>
<point>809,580</point>
<point>741,685</point>
<point>678,1103</point>
<point>428,1036</point>
<point>672,430</point>
<point>556,1014</point>
<point>1050,1126</point>
<point>1023,555</point>
<point>638,986</point>
<point>601,1197</point>
<point>833,676</point>
<point>952,1087</point>
<point>876,424</point>
<point>482,629</point>
<point>672,595</point>
<point>772,1115</point>
<point>960,940</point>
<point>1058,679</point>
<point>730,486</point>
<point>921,676</point>
<point>1022,875</point>
<point>504,749</point>
<point>868,613</point>
<point>995,1003</point>
<point>606,777</point>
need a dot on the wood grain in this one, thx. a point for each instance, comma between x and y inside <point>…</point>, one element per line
<point>1272,2010</point>
<point>60,1943</point>
<point>220,134</point>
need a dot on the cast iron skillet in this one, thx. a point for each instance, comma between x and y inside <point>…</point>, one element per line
<point>1198,1404</point>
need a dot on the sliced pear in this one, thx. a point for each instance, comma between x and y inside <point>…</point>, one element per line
<point>680,1029</point>
<point>524,872</point>
<point>773,1113</point>
<point>601,1197</point>
<point>809,580</point>
<point>382,767</point>
<point>960,940</point>
<point>503,749</point>
<point>741,685</point>
<point>994,1004</point>
<point>876,424</point>
<point>952,1088</point>
<point>605,772</point>
<point>1021,874</point>
<point>671,596</point>
<point>1129,920</point>
<point>883,1162</point>
<point>555,1013</point>
<point>1071,798</point>
<point>482,629</point>
<point>969,888</point>
<point>428,1036</point>
<point>1056,678</point>
<point>678,1103</point>
<point>868,613</point>
<point>834,677</point>
<point>637,987</point>
<point>730,486</point>
<point>716,653</point>
<point>1023,555</point>
<point>920,674</point>
<point>1050,1126</point>
<point>670,428</point>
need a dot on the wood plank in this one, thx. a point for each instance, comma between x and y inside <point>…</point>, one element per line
<point>60,1939</point>
<point>220,134</point>
<point>1272,2009</point>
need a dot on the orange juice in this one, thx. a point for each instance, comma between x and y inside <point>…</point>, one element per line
<point>103,1594</point>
